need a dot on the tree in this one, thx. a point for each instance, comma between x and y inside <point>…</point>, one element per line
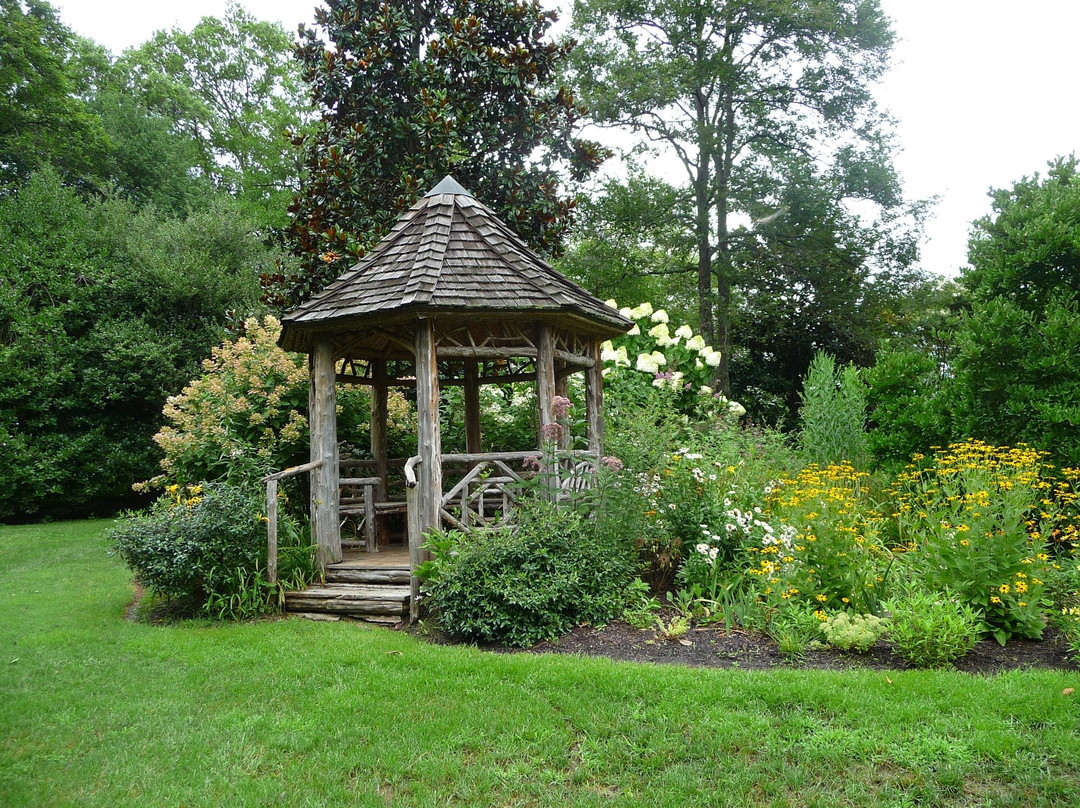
<point>815,278</point>
<point>735,89</point>
<point>412,92</point>
<point>232,88</point>
<point>630,242</point>
<point>1018,353</point>
<point>43,115</point>
<point>105,311</point>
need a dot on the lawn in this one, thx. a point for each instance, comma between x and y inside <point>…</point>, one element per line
<point>97,710</point>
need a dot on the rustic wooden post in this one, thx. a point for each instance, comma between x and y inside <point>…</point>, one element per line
<point>322,411</point>
<point>472,410</point>
<point>271,531</point>
<point>429,440</point>
<point>594,401</point>
<point>379,444</point>
<point>412,517</point>
<point>560,390</point>
<point>545,392</point>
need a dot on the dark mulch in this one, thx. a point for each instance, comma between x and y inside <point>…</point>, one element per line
<point>716,648</point>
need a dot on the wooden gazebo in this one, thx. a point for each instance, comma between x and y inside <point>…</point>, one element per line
<point>451,296</point>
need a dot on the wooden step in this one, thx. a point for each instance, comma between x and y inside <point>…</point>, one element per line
<point>341,574</point>
<point>359,600</point>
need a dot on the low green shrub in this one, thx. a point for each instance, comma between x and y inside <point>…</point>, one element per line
<point>929,630</point>
<point>206,545</point>
<point>535,582</point>
<point>853,632</point>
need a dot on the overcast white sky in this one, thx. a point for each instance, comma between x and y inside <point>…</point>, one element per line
<point>984,91</point>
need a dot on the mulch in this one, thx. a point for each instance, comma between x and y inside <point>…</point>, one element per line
<point>716,648</point>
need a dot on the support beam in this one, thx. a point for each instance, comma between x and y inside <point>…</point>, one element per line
<point>560,390</point>
<point>594,402</point>
<point>322,411</point>
<point>545,379</point>
<point>472,408</point>
<point>379,385</point>
<point>429,439</point>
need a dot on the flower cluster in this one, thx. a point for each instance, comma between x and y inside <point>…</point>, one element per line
<point>675,360</point>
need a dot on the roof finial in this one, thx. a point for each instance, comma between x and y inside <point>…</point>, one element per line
<point>448,185</point>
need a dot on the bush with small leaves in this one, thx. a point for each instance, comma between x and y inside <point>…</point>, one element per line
<point>930,630</point>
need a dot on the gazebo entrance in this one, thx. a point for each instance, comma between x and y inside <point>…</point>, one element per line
<point>451,297</point>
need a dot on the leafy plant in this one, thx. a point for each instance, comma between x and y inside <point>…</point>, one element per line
<point>929,629</point>
<point>535,582</point>
<point>675,628</point>
<point>974,519</point>
<point>833,414</point>
<point>856,632</point>
<point>205,545</point>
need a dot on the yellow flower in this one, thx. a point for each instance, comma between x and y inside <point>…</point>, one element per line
<point>995,599</point>
<point>821,598</point>
<point>1004,589</point>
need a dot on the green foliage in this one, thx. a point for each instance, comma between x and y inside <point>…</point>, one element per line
<point>105,310</point>
<point>412,92</point>
<point>975,519</point>
<point>908,406</point>
<point>44,118</point>
<point>192,541</point>
<point>856,632</point>
<point>534,583</point>
<point>929,629</point>
<point>735,90</point>
<point>833,414</point>
<point>231,88</point>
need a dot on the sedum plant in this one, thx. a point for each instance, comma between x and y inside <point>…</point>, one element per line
<point>856,632</point>
<point>929,629</point>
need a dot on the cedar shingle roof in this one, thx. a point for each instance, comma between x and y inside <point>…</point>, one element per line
<point>448,254</point>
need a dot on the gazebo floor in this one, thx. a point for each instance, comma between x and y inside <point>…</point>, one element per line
<point>374,587</point>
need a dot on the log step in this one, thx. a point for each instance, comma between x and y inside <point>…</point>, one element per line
<point>359,600</point>
<point>368,575</point>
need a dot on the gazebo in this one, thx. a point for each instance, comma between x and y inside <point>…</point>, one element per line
<point>451,296</point>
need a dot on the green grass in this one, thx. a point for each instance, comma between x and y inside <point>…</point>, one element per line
<point>95,710</point>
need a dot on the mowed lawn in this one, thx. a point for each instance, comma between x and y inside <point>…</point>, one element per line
<point>99,711</point>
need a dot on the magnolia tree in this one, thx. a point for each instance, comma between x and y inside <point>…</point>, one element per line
<point>676,360</point>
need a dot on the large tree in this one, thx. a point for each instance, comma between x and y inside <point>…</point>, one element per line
<point>412,92</point>
<point>735,89</point>
<point>232,88</point>
<point>1018,353</point>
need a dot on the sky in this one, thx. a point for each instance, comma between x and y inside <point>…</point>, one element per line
<point>983,91</point>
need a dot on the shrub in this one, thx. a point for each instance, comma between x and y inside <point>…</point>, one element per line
<point>534,583</point>
<point>202,543</point>
<point>853,632</point>
<point>833,414</point>
<point>929,630</point>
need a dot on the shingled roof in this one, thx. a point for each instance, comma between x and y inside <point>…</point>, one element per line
<point>448,254</point>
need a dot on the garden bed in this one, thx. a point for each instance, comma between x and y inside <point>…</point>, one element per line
<point>747,650</point>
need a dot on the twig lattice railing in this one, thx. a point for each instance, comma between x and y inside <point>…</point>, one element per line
<point>271,481</point>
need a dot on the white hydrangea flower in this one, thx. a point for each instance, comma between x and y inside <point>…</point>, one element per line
<point>626,311</point>
<point>646,363</point>
<point>712,359</point>
<point>684,331</point>
<point>705,391</point>
<point>736,409</point>
<point>644,310</point>
<point>633,332</point>
<point>659,358</point>
<point>622,358</point>
<point>611,304</point>
<point>659,332</point>
<point>696,342</point>
<point>659,316</point>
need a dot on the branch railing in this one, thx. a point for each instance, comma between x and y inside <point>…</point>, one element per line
<point>271,481</point>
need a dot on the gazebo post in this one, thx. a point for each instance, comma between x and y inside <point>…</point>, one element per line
<point>429,441</point>
<point>322,412</point>
<point>594,401</point>
<point>545,378</point>
<point>472,409</point>
<point>379,449</point>
<point>560,390</point>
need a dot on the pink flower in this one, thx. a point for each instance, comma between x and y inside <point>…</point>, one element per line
<point>560,406</point>
<point>612,463</point>
<point>551,432</point>
<point>531,463</point>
